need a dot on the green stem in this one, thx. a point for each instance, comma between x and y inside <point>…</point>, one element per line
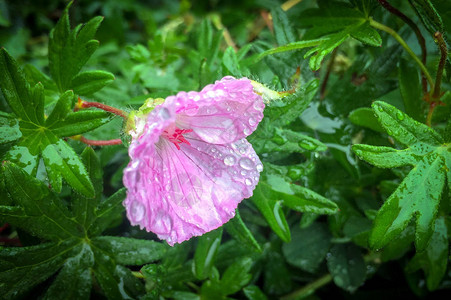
<point>397,37</point>
<point>309,288</point>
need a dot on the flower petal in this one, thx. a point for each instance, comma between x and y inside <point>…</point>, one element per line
<point>178,194</point>
<point>221,113</point>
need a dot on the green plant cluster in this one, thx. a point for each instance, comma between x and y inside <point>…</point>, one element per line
<point>354,198</point>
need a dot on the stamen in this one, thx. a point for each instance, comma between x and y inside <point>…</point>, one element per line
<point>175,135</point>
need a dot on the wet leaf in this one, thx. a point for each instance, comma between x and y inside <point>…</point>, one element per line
<point>239,231</point>
<point>347,266</point>
<point>205,254</point>
<point>308,247</point>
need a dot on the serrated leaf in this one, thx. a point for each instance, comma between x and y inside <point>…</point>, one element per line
<point>108,211</point>
<point>79,122</point>
<point>9,129</point>
<point>25,102</point>
<point>347,267</point>
<point>204,257</point>
<point>61,109</point>
<point>130,252</point>
<point>22,157</point>
<point>417,195</point>
<point>74,279</point>
<point>116,281</point>
<point>236,276</point>
<point>239,231</point>
<point>21,268</point>
<point>277,277</point>
<point>282,112</point>
<point>283,30</point>
<point>88,82</point>
<point>308,247</point>
<point>268,203</point>
<point>434,259</point>
<point>364,116</point>
<point>285,140</point>
<point>299,198</point>
<point>230,62</point>
<point>40,212</point>
<point>62,161</point>
<point>428,15</point>
<point>69,50</point>
<point>82,207</point>
<point>405,129</point>
<point>410,88</point>
<point>386,157</point>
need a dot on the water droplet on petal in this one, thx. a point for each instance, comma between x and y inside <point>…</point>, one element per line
<point>248,181</point>
<point>259,167</point>
<point>247,131</point>
<point>164,113</point>
<point>192,111</point>
<point>246,163</point>
<point>252,121</point>
<point>243,172</point>
<point>229,160</point>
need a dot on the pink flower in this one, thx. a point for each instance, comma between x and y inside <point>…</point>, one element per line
<point>190,163</point>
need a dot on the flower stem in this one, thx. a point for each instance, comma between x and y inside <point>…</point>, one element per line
<point>309,288</point>
<point>87,104</point>
<point>406,47</point>
<point>417,31</point>
<point>441,65</point>
<point>99,142</point>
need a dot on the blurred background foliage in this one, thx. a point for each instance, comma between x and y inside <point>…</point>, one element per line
<point>157,48</point>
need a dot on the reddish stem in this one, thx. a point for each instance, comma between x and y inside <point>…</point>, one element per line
<point>101,142</point>
<point>116,111</point>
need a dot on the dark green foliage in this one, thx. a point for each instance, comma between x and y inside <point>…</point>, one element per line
<point>354,197</point>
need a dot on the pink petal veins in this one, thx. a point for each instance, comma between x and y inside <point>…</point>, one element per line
<point>186,177</point>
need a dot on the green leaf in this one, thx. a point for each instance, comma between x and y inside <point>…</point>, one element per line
<point>230,62</point>
<point>268,202</point>
<point>283,30</point>
<point>22,157</point>
<point>285,140</point>
<point>130,252</point>
<point>308,247</point>
<point>69,50</point>
<point>89,82</point>
<point>79,122</point>
<point>21,268</point>
<point>299,198</point>
<point>236,276</point>
<point>364,117</point>
<point>61,109</point>
<point>239,231</point>
<point>410,87</point>
<point>434,259</point>
<point>347,267</point>
<point>39,212</point>
<point>74,279</point>
<point>428,15</point>
<point>82,207</point>
<point>277,277</point>
<point>386,157</point>
<point>117,282</point>
<point>282,112</point>
<point>335,22</point>
<point>9,129</point>
<point>107,212</point>
<point>253,292</point>
<point>62,161</point>
<point>26,103</point>
<point>206,250</point>
<point>418,195</point>
<point>406,130</point>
